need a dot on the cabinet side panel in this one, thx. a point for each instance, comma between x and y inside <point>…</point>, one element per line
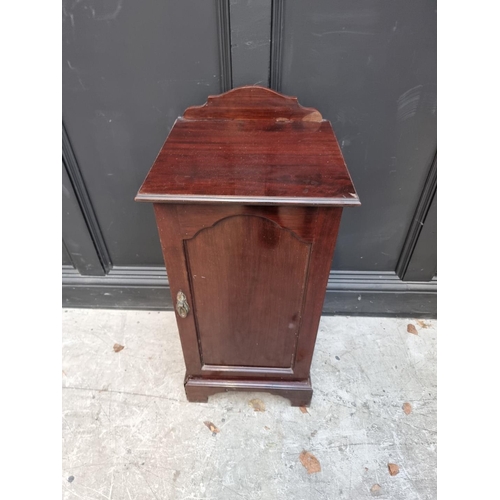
<point>248,278</point>
<point>325,235</point>
<point>173,253</point>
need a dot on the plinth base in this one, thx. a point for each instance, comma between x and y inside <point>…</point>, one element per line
<point>299,392</point>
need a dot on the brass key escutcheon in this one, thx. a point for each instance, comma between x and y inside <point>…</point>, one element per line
<point>182,305</point>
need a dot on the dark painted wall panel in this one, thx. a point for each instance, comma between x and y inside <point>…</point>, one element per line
<point>129,69</point>
<point>250,41</point>
<point>75,232</point>
<point>370,67</point>
<point>66,259</point>
<point>423,262</point>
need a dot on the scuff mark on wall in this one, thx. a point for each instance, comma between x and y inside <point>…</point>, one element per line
<point>76,71</point>
<point>110,16</point>
<point>408,103</point>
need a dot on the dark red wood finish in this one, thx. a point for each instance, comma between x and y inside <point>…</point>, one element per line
<point>224,290</point>
<point>248,193</point>
<point>250,145</point>
<point>248,278</point>
<point>252,103</point>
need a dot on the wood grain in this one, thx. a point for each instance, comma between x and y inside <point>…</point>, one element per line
<point>248,278</point>
<point>252,102</point>
<point>259,148</point>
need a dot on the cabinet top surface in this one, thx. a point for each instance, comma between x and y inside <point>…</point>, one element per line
<point>250,145</point>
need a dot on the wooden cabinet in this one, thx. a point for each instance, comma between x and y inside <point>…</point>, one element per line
<point>248,191</point>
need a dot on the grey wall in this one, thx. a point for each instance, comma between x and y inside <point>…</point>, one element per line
<point>370,67</point>
<point>130,68</point>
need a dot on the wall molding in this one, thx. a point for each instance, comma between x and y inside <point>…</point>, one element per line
<point>370,293</point>
<point>356,293</point>
<point>77,241</point>
<point>418,220</point>
<point>224,34</point>
<point>83,199</point>
<point>276,63</point>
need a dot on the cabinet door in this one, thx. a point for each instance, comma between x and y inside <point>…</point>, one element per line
<point>254,279</point>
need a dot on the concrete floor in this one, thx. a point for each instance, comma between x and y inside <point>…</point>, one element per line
<point>129,433</point>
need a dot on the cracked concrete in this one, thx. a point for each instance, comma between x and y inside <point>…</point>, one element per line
<point>129,433</point>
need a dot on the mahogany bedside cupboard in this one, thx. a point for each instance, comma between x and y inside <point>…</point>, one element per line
<point>248,191</point>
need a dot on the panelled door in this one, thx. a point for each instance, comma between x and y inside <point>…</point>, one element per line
<point>253,278</point>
